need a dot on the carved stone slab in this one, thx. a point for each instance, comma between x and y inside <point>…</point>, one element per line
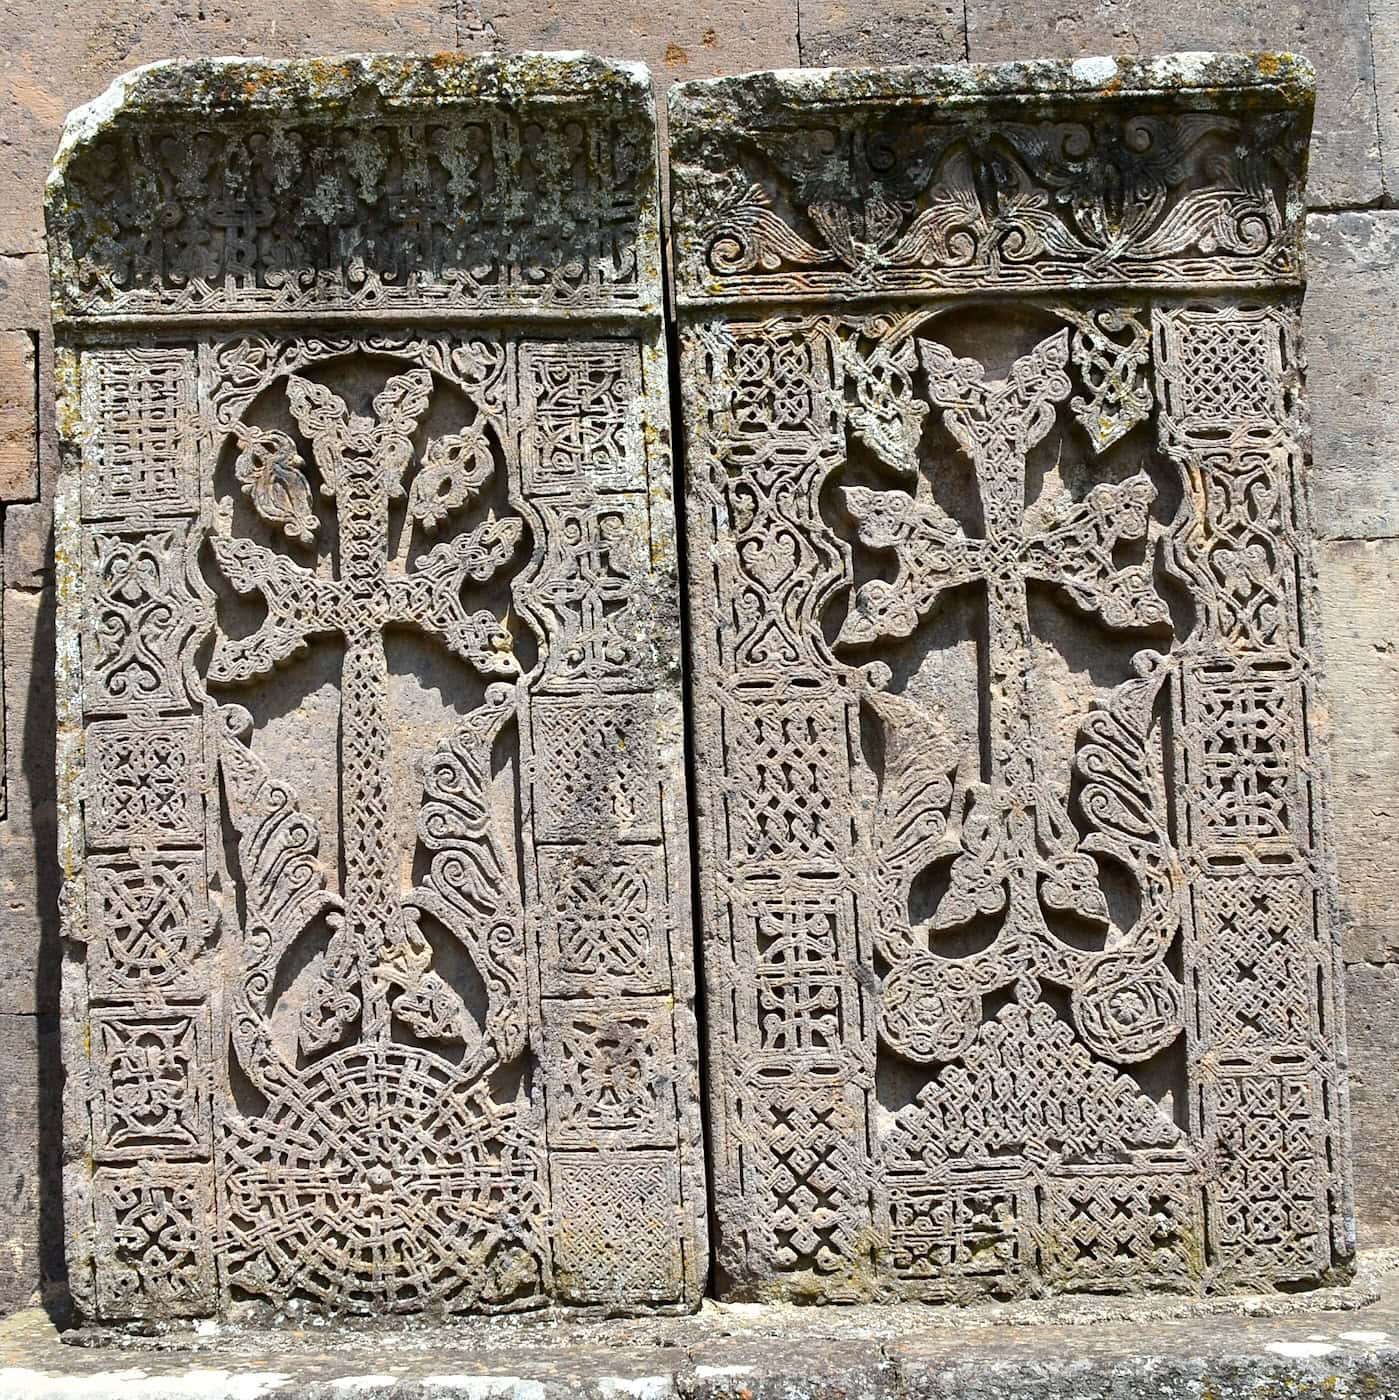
<point>379,980</point>
<point>1018,934</point>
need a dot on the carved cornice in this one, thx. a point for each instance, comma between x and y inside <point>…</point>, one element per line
<point>1179,171</point>
<point>446,184</point>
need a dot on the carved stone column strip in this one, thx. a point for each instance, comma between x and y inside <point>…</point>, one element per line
<point>789,1029</point>
<point>136,610</point>
<point>1266,1011</point>
<point>380,987</point>
<point>602,754</point>
<point>1015,936</point>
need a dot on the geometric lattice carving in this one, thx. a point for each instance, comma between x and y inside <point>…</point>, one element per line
<point>792,748</point>
<point>371,768</point>
<point>581,423</point>
<point>607,919</point>
<point>140,453</point>
<point>151,1095</point>
<point>1017,941</point>
<point>147,923</point>
<point>596,758</point>
<point>144,781</point>
<point>610,1202</point>
<point>610,1080</point>
<point>155,1253</point>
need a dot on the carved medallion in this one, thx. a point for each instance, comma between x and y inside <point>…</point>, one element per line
<point>372,783</point>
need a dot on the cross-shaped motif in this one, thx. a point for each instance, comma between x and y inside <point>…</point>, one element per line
<point>362,461</point>
<point>1016,846</point>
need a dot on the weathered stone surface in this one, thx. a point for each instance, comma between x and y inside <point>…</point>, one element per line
<point>28,878</point>
<point>676,39</point>
<point>379,992</point>
<point>1372,1022</point>
<point>1335,37</point>
<point>29,1160</point>
<point>24,292</point>
<point>28,535</point>
<point>1018,926</point>
<point>1384,37</point>
<point>47,67</point>
<point>1063,1349</point>
<point>48,64</point>
<point>1359,588</point>
<point>1352,302</point>
<point>19,443</point>
<point>842,33</point>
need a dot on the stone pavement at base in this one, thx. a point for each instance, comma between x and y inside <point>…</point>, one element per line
<point>1340,1344</point>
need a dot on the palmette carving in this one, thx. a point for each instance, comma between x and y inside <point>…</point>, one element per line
<point>917,183</point>
<point>371,696</point>
<point>1016,905</point>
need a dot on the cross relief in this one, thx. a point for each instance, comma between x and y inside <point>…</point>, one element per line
<point>1008,877</point>
<point>1015,852</point>
<point>363,461</point>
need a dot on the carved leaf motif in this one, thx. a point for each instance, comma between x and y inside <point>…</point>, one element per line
<point>747,234</point>
<point>473,886</point>
<point>284,886</point>
<point>933,555</point>
<point>432,1009</point>
<point>323,416</point>
<point>424,1002</point>
<point>454,470</point>
<point>284,881</point>
<point>1122,798</point>
<point>399,405</point>
<point>837,228</point>
<point>479,552</point>
<point>270,471</point>
<point>977,879</point>
<point>1068,533</point>
<point>1244,223</point>
<point>436,585</point>
<point>883,217</point>
<point>949,232</point>
<point>290,591</point>
<point>771,558</point>
<point>886,415</point>
<point>920,759</point>
<point>1128,1005</point>
<point>1112,349</point>
<point>1071,886</point>
<point>330,1009</point>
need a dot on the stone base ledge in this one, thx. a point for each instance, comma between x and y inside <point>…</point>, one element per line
<point>1332,1344</point>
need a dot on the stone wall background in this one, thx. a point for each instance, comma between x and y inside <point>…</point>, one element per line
<point>56,56</point>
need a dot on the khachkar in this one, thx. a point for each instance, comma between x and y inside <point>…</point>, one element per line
<point>1018,936</point>
<point>379,977</point>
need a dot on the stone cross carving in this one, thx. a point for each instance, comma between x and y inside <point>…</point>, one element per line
<point>373,786</point>
<point>1016,849</point>
<point>363,462</point>
<point>1016,902</point>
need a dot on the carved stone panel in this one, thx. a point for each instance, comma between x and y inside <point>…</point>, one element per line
<point>1018,932</point>
<point>379,972</point>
